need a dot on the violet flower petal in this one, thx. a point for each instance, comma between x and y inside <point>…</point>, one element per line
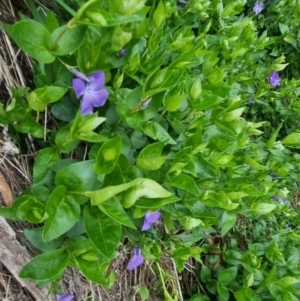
<point>86,105</point>
<point>97,80</point>
<point>136,260</point>
<point>99,97</point>
<point>78,86</point>
<point>64,297</point>
<point>274,79</point>
<point>258,7</point>
<point>150,218</point>
<point>146,225</point>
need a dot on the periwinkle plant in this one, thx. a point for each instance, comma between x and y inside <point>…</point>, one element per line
<point>165,114</point>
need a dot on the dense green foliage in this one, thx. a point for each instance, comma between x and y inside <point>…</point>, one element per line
<point>192,128</point>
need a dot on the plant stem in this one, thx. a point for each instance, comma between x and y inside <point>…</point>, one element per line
<point>63,31</point>
<point>77,192</point>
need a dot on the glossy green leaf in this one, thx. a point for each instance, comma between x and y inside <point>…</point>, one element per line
<point>34,236</point>
<point>108,155</point>
<point>155,203</point>
<point>246,294</point>
<point>63,212</point>
<point>291,139</point>
<point>33,209</point>
<point>28,125</point>
<point>228,221</point>
<point>150,157</point>
<point>115,210</point>
<point>40,97</point>
<point>32,37</point>
<point>93,271</point>
<point>44,162</point>
<point>173,103</point>
<point>65,40</point>
<point>46,266</point>
<point>205,274</point>
<point>159,15</point>
<point>77,177</point>
<point>51,21</point>
<point>155,131</point>
<point>263,208</point>
<point>186,183</point>
<point>227,276</point>
<point>103,231</point>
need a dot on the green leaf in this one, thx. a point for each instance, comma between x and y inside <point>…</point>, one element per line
<point>89,123</point>
<point>46,266</point>
<point>157,132</point>
<point>64,109</point>
<point>159,15</point>
<point>291,139</point>
<point>45,160</point>
<point>63,212</point>
<point>155,203</point>
<point>150,157</point>
<point>34,236</point>
<point>65,40</point>
<point>104,194</point>
<point>227,276</point>
<point>104,232</point>
<point>287,281</point>
<point>263,208</point>
<point>115,210</point>
<point>108,155</point>
<point>228,221</point>
<point>186,183</point>
<point>32,37</point>
<point>93,271</point>
<point>33,209</point>
<point>196,89</point>
<point>206,100</point>
<point>205,274</point>
<point>222,292</point>
<point>28,125</point>
<point>77,177</point>
<point>120,38</point>
<point>246,294</point>
<point>173,103</point>
<point>143,292</point>
<point>273,137</point>
<point>39,98</point>
<point>136,189</point>
<point>64,139</point>
<point>144,188</point>
<point>51,21</point>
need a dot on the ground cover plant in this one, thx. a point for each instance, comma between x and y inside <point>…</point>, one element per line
<point>180,113</point>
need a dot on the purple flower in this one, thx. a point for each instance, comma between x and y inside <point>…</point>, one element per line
<point>123,52</point>
<point>274,79</point>
<point>281,200</point>
<point>150,218</point>
<point>91,87</point>
<point>136,260</point>
<point>258,7</point>
<point>64,297</point>
<point>181,2</point>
